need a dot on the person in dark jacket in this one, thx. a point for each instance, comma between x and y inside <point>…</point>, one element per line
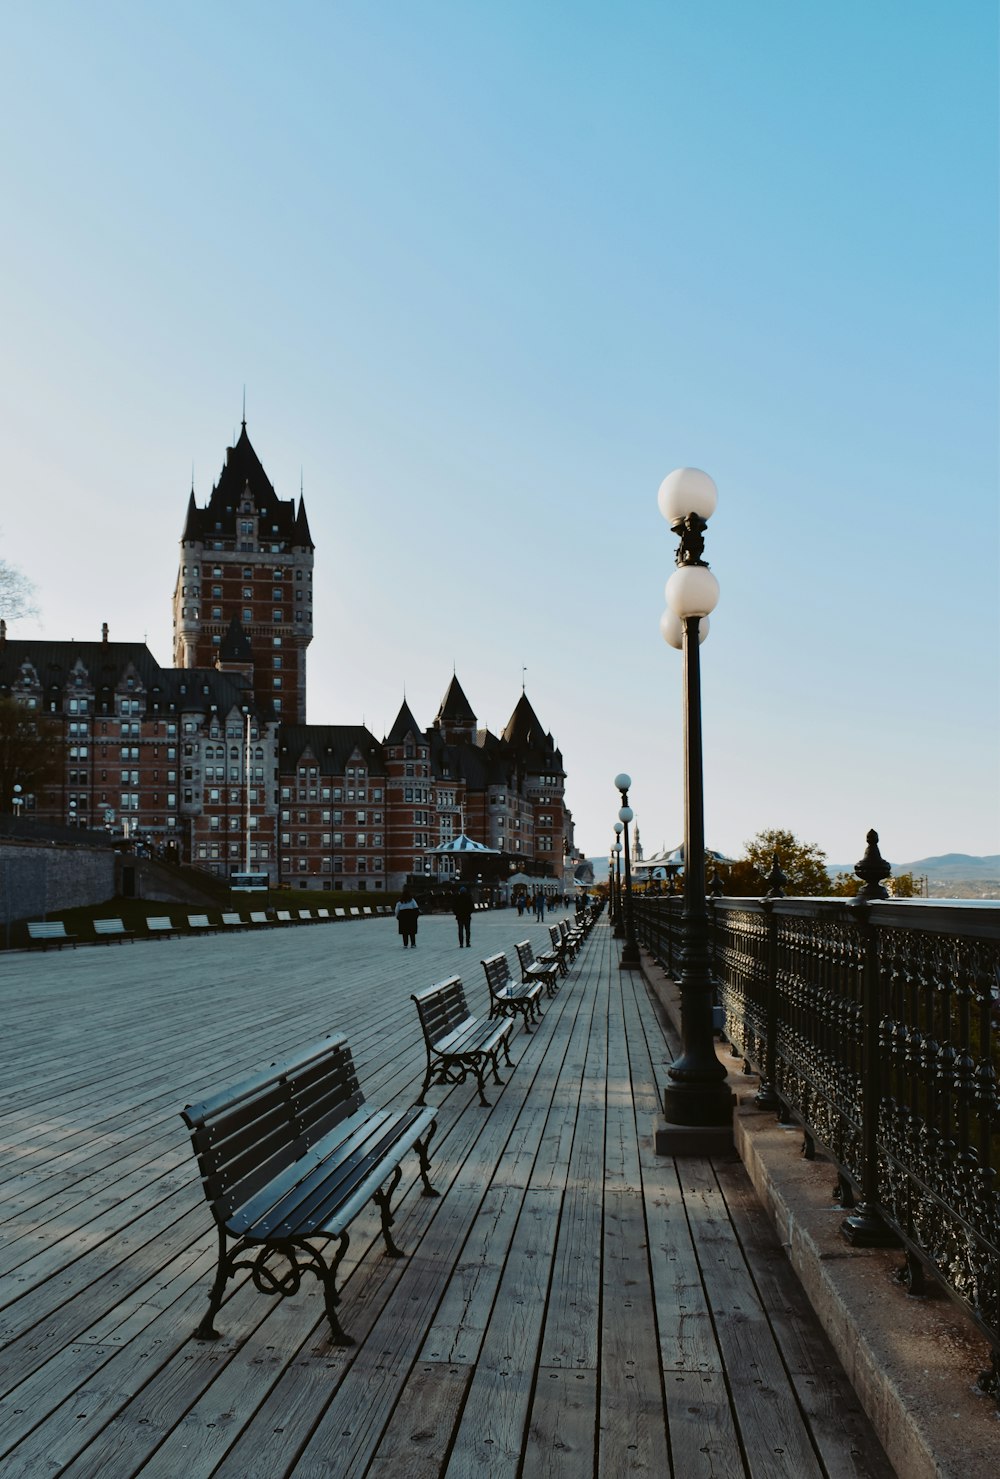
<point>407,914</point>
<point>462,908</point>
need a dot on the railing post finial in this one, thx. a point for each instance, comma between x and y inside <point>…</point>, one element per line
<point>775,881</point>
<point>871,870</point>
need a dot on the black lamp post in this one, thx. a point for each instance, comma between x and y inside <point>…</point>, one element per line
<point>616,851</point>
<point>630,954</point>
<point>696,1094</point>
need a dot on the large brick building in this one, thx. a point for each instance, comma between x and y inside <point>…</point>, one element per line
<point>213,757</point>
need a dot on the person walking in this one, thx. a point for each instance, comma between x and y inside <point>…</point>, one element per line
<point>462,908</point>
<point>407,914</point>
<point>539,905</point>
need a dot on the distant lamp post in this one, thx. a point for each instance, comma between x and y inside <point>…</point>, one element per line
<point>72,813</point>
<point>619,930</point>
<point>630,954</point>
<point>17,802</point>
<point>696,1095</point>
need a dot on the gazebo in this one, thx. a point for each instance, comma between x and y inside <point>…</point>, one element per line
<point>462,849</point>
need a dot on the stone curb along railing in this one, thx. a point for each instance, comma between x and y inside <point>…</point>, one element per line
<point>875,1025</point>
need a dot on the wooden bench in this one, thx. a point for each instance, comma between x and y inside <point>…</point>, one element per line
<point>283,916</point>
<point>340,913</point>
<point>46,932</point>
<point>112,929</point>
<point>161,924</point>
<point>234,921</point>
<point>322,914</point>
<point>306,916</point>
<point>200,922</point>
<point>458,1043</point>
<point>507,997</point>
<point>545,971</point>
<point>259,917</point>
<point>562,946</point>
<point>288,1158</point>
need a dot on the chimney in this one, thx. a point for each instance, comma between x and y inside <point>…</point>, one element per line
<point>104,631</point>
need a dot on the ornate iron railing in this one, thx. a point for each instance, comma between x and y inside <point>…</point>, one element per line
<point>892,1006</point>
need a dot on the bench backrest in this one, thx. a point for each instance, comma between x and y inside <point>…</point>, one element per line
<point>340,913</point>
<point>322,914</point>
<point>525,955</point>
<point>356,913</point>
<point>108,927</point>
<point>306,916</point>
<point>232,919</point>
<point>283,916</point>
<point>158,922</point>
<point>198,921</point>
<point>442,1008</point>
<point>497,974</point>
<point>556,935</point>
<point>258,916</point>
<point>47,929</point>
<point>245,1135</point>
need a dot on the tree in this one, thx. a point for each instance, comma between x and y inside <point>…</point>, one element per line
<point>17,594</point>
<point>803,864</point>
<point>31,751</point>
<point>906,886</point>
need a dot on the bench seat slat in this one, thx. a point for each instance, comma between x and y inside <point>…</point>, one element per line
<point>326,1201</point>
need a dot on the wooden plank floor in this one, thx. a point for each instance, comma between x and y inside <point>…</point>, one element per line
<point>571,1305</point>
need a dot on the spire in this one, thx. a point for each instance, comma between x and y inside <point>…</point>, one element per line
<point>244,423</point>
<point>235,646</point>
<point>455,706</point>
<point>191,520</point>
<point>302,535</point>
<point>405,724</point>
<point>524,730</point>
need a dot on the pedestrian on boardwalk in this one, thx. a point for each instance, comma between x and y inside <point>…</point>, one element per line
<point>462,908</point>
<point>520,905</point>
<point>407,914</point>
<point>539,905</point>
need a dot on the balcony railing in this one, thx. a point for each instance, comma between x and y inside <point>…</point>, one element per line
<point>876,1026</point>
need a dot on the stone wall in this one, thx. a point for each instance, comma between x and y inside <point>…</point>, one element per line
<point>38,878</point>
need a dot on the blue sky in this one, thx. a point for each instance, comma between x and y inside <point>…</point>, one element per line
<point>488,273</point>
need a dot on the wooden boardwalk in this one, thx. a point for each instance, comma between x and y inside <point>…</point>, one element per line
<point>570,1306</point>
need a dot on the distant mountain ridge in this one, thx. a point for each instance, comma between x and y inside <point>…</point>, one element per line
<point>947,868</point>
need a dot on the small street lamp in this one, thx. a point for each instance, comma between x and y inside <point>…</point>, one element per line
<point>619,930</point>
<point>696,1094</point>
<point>630,955</point>
<point>17,801</point>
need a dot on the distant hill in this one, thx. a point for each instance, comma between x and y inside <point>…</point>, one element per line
<point>948,868</point>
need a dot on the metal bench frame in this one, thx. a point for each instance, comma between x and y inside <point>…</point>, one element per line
<point>507,998</point>
<point>545,971</point>
<point>458,1043</point>
<point>290,1156</point>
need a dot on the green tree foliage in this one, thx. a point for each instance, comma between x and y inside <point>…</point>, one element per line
<point>845,886</point>
<point>31,751</point>
<point>803,864</point>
